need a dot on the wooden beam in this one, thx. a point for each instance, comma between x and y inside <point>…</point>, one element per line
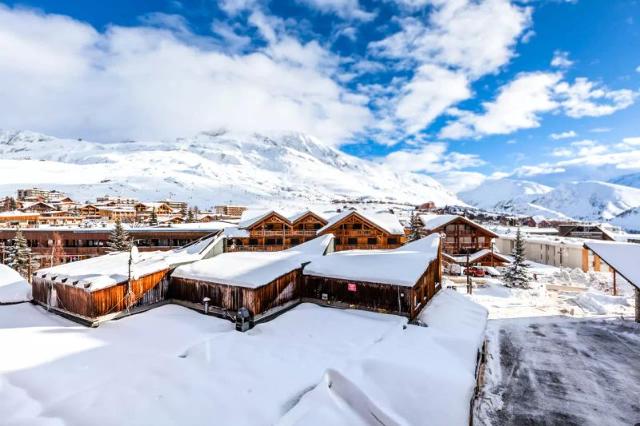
<point>585,260</point>
<point>596,263</point>
<point>615,289</point>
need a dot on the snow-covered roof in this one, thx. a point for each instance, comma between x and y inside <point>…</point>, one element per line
<point>253,269</point>
<point>235,232</point>
<point>476,256</point>
<point>401,266</point>
<point>384,220</point>
<point>13,288</point>
<point>434,221</point>
<point>111,269</point>
<point>15,213</point>
<point>299,215</point>
<point>623,257</point>
<point>251,217</point>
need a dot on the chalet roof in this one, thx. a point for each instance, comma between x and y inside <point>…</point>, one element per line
<point>299,215</point>
<point>385,221</point>
<point>18,213</point>
<point>623,257</point>
<point>253,269</point>
<point>402,266</point>
<point>475,257</point>
<point>251,217</point>
<point>435,221</point>
<point>111,269</point>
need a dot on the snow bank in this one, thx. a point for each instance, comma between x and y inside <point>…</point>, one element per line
<point>601,304</point>
<point>13,288</point>
<point>413,375</point>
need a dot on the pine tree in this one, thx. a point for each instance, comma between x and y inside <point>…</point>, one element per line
<point>12,204</point>
<point>517,274</point>
<point>119,239</point>
<point>153,219</point>
<point>415,227</point>
<point>190,216</point>
<point>19,254</point>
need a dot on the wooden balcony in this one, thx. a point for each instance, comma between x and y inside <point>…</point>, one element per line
<point>278,247</point>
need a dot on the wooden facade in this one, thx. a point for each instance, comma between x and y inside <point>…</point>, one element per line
<point>379,297</point>
<point>463,236</point>
<point>274,232</point>
<point>91,305</point>
<point>354,231</point>
<point>230,298</point>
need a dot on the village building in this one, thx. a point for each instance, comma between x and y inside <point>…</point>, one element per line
<point>229,210</point>
<point>592,231</point>
<point>399,281</point>
<point>461,235</point>
<point>273,231</point>
<point>37,207</point>
<point>262,282</point>
<point>38,194</point>
<point>116,284</point>
<point>18,219</point>
<point>175,205</point>
<point>116,201</point>
<point>364,230</point>
<point>484,257</point>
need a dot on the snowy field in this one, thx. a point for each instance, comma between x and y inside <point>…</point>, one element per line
<point>311,365</point>
<point>562,352</point>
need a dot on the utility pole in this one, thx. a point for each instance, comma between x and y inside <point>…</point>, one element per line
<point>468,276</point>
<point>615,289</point>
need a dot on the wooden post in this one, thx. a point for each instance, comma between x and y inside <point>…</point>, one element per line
<point>596,263</point>
<point>585,260</point>
<point>615,289</point>
<point>637,304</point>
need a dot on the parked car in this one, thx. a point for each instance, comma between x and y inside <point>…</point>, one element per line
<point>491,271</point>
<point>474,271</point>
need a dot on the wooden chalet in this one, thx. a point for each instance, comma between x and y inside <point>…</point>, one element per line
<point>38,207</point>
<point>262,282</point>
<point>17,218</point>
<point>143,209</point>
<point>484,257</point>
<point>462,235</point>
<point>360,230</point>
<point>585,230</point>
<point>273,231</point>
<point>399,281</point>
<point>105,287</point>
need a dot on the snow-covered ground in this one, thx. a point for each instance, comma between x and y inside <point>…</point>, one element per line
<point>13,288</point>
<point>311,365</point>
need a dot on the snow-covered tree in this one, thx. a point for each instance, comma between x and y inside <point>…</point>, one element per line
<point>119,238</point>
<point>19,254</point>
<point>189,216</point>
<point>517,274</point>
<point>414,226</point>
<point>57,250</point>
<point>153,218</point>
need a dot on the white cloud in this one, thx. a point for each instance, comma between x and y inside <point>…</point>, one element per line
<point>476,37</point>
<point>638,68</point>
<point>562,152</point>
<point>563,135</point>
<point>561,59</point>
<point>234,7</point>
<point>458,181</point>
<point>542,169</point>
<point>517,106</point>
<point>586,98</point>
<point>521,102</point>
<point>431,158</point>
<point>431,91</point>
<point>346,9</point>
<point>62,77</point>
<point>633,141</point>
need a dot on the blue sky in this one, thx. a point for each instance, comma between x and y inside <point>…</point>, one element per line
<point>462,90</point>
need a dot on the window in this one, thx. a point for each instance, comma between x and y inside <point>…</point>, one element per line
<point>253,241</point>
<point>352,241</point>
<point>337,241</point>
<point>317,226</point>
<point>372,241</point>
<point>356,226</point>
<point>392,240</point>
<point>295,241</point>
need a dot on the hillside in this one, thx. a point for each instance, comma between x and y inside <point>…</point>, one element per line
<point>209,168</point>
<point>500,194</point>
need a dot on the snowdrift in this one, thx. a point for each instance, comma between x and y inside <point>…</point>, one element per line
<point>13,288</point>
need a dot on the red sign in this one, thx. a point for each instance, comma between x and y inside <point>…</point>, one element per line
<point>351,287</point>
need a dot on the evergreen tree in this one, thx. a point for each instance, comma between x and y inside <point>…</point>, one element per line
<point>183,210</point>
<point>19,254</point>
<point>153,219</point>
<point>517,274</point>
<point>119,239</point>
<point>190,216</point>
<point>414,226</point>
<point>12,204</point>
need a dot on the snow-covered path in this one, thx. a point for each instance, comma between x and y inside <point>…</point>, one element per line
<point>559,370</point>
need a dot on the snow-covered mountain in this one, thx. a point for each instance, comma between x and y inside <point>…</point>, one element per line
<point>585,200</point>
<point>631,179</point>
<point>497,194</point>
<point>212,167</point>
<point>590,200</point>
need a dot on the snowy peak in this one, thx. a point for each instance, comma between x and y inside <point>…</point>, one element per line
<point>590,200</point>
<point>209,168</point>
<point>495,194</point>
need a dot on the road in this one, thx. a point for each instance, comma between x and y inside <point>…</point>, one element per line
<point>561,371</point>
